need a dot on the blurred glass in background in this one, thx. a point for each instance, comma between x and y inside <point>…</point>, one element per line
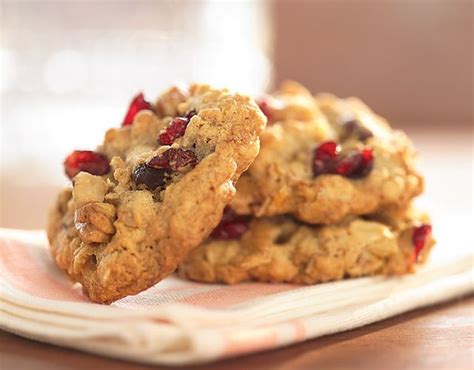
<point>70,68</point>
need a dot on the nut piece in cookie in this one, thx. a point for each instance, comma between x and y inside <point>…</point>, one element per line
<point>323,158</point>
<point>279,249</point>
<point>153,190</point>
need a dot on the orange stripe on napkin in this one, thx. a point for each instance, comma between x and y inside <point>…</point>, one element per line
<point>300,330</point>
<point>249,341</point>
<point>26,274</point>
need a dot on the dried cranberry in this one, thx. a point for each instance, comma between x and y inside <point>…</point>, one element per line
<point>420,237</point>
<point>149,176</point>
<point>87,161</point>
<point>138,104</point>
<point>174,159</point>
<point>356,164</point>
<point>232,226</point>
<point>190,114</point>
<point>349,164</point>
<point>356,129</point>
<point>265,107</point>
<point>367,162</point>
<point>176,129</point>
<point>154,173</point>
<point>324,156</point>
<point>327,151</point>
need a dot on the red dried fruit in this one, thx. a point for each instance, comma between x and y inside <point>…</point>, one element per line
<point>265,107</point>
<point>138,104</point>
<point>176,129</point>
<point>87,161</point>
<point>174,159</point>
<point>367,162</point>
<point>149,176</point>
<point>327,151</point>
<point>154,173</point>
<point>356,164</point>
<point>324,156</point>
<point>420,237</point>
<point>349,164</point>
<point>232,225</point>
<point>190,114</point>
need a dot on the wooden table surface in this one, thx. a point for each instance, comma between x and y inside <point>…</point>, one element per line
<point>440,337</point>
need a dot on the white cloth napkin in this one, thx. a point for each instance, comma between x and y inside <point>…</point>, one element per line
<point>178,322</point>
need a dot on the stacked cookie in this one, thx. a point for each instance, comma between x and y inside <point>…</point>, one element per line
<point>195,180</point>
<point>153,190</point>
<point>327,197</point>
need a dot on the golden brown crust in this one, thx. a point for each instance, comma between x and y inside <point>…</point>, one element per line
<point>279,249</point>
<point>281,181</point>
<point>117,238</point>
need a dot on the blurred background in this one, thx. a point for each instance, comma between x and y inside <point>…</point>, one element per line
<point>69,69</point>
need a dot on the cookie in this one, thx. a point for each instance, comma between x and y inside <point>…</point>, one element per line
<point>153,190</point>
<point>280,249</point>
<point>325,158</point>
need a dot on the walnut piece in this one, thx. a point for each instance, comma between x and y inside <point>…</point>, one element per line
<point>167,104</point>
<point>95,222</point>
<point>88,188</point>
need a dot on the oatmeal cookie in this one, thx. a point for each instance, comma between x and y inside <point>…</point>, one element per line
<point>153,190</point>
<point>325,158</point>
<point>280,249</point>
